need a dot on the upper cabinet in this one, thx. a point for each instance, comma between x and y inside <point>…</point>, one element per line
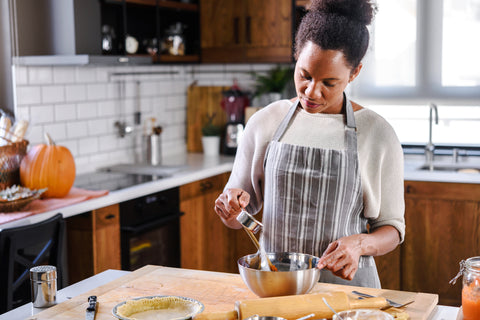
<point>166,30</point>
<point>104,31</point>
<point>246,30</point>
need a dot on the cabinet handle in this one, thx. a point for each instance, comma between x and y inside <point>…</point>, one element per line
<point>110,216</point>
<point>204,186</point>
<point>236,28</point>
<point>409,189</point>
<point>248,29</point>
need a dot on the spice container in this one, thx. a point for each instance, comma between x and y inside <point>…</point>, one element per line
<point>43,281</point>
<point>470,270</point>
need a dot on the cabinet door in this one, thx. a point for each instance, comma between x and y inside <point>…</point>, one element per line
<point>93,242</point>
<point>206,243</point>
<point>268,30</point>
<point>443,228</point>
<point>222,30</point>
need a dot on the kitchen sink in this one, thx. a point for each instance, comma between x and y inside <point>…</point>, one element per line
<point>145,169</point>
<point>454,167</point>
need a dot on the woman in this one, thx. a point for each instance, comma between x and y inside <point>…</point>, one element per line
<point>323,192</point>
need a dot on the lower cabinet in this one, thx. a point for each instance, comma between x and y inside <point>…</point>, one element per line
<point>93,242</point>
<point>443,228</point>
<point>206,243</point>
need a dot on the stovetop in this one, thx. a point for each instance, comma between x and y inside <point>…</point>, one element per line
<point>110,180</point>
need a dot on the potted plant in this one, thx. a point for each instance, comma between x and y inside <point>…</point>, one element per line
<point>211,136</point>
<point>271,85</point>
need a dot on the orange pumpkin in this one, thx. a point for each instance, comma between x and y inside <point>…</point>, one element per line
<point>48,166</point>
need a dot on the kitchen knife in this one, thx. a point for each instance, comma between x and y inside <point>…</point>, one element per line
<point>92,308</point>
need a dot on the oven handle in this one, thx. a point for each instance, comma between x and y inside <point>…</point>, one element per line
<point>152,224</point>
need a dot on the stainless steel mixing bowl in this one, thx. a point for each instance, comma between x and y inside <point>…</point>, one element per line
<point>296,274</point>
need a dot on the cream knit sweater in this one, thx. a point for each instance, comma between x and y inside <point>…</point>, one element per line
<point>379,152</point>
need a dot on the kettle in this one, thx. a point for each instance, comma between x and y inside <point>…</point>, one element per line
<point>234,102</point>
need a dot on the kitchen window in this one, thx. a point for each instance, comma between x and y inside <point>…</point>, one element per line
<point>422,51</point>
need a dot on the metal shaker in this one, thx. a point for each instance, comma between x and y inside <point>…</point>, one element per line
<point>43,281</point>
<point>153,149</point>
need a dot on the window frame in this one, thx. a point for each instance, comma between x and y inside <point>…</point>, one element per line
<point>428,70</point>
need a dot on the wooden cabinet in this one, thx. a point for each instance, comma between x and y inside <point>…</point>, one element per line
<point>246,30</point>
<point>206,243</point>
<point>443,228</point>
<point>93,242</point>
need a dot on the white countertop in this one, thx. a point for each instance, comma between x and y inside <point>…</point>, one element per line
<point>196,166</point>
<point>27,310</point>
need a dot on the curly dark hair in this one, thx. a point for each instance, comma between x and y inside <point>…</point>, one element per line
<point>337,25</point>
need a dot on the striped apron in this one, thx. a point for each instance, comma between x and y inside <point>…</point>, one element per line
<point>313,196</point>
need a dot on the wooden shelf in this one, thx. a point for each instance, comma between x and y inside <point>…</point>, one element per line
<point>169,4</point>
<point>171,58</point>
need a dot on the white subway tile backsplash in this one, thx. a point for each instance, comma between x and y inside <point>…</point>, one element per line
<point>106,108</point>
<point>65,112</point>
<point>20,74</point>
<point>102,74</point>
<point>98,127</point>
<point>57,131</point>
<point>88,145</point>
<point>107,142</point>
<point>86,110</point>
<point>42,114</point>
<point>75,92</point>
<point>28,95</point>
<point>85,74</point>
<point>22,112</point>
<point>97,91</point>
<point>77,129</point>
<point>35,134</point>
<point>52,94</point>
<point>63,75</point>
<point>41,75</point>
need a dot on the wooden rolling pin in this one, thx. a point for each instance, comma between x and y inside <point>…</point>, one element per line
<point>294,307</point>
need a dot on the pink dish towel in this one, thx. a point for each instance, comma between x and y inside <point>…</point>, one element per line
<point>75,195</point>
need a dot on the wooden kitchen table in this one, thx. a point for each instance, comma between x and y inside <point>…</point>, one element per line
<point>217,291</point>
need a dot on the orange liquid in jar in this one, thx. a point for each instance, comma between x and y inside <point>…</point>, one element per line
<point>471,302</point>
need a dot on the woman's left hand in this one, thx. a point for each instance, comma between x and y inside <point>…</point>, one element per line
<point>341,256</point>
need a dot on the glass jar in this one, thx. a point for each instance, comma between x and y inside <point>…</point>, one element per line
<point>471,289</point>
<point>470,270</point>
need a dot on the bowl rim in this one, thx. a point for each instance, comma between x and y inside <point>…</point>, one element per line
<point>245,257</point>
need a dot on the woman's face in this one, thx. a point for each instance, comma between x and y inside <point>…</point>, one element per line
<point>321,77</point>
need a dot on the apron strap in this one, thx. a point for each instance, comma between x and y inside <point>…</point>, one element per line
<point>284,124</point>
<point>350,127</point>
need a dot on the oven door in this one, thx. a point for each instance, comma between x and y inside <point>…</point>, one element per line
<point>156,242</point>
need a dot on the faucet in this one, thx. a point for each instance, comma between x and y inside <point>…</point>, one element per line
<point>430,148</point>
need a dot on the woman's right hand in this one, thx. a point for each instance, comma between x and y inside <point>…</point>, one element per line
<point>229,205</point>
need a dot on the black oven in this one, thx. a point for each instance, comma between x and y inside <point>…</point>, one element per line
<point>150,230</point>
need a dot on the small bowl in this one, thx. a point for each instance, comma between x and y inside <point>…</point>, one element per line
<point>297,274</point>
<point>363,314</point>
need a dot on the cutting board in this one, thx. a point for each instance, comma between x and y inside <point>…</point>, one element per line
<point>203,101</point>
<point>217,291</point>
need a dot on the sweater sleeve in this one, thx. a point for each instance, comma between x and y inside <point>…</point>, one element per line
<point>248,171</point>
<point>381,163</point>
